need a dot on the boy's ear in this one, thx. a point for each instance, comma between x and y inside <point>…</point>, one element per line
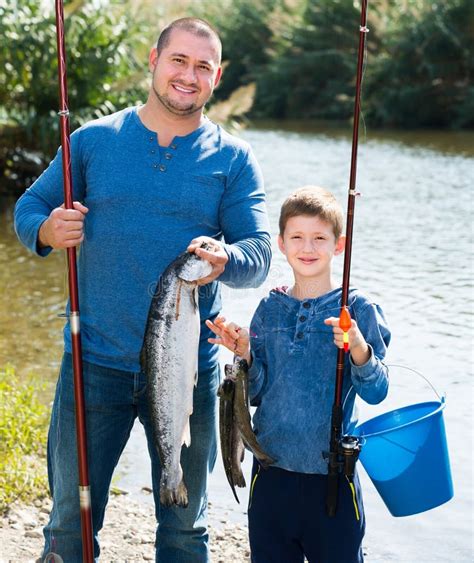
<point>281,244</point>
<point>340,245</point>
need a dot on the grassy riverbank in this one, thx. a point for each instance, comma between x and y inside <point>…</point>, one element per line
<point>23,430</point>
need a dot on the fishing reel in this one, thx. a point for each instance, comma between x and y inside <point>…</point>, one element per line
<point>349,451</point>
<point>344,459</point>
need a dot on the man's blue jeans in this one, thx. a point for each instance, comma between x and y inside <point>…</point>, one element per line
<point>113,400</point>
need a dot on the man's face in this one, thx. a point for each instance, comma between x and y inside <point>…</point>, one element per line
<point>185,72</point>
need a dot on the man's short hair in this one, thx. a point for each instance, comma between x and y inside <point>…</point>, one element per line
<point>196,26</point>
<point>313,201</point>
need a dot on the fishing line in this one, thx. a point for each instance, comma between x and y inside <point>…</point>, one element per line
<point>364,68</point>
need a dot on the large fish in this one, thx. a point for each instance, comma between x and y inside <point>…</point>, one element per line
<point>169,358</point>
<point>232,445</point>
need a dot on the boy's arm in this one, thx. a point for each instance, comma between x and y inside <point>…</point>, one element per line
<point>370,378</point>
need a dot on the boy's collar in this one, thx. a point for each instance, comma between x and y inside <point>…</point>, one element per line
<point>288,300</point>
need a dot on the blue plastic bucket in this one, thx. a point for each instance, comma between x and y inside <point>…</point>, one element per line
<point>406,456</point>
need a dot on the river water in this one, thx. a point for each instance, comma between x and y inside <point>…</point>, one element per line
<point>412,251</point>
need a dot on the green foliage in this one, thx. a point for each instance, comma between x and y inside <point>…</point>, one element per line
<point>247,38</point>
<point>302,56</point>
<point>422,75</point>
<point>103,73</point>
<point>23,424</point>
<point>316,70</point>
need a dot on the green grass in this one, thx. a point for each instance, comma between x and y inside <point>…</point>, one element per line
<point>23,431</point>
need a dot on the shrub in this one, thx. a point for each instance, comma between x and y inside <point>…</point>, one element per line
<point>23,430</point>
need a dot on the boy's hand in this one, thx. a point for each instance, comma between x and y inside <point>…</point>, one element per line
<point>233,337</point>
<point>358,347</point>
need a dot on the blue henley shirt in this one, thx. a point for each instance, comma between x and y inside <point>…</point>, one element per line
<point>146,203</point>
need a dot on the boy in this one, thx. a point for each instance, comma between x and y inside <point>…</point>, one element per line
<point>292,362</point>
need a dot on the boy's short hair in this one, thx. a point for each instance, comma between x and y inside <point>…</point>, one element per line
<point>313,201</point>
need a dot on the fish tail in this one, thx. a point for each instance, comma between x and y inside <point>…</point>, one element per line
<point>239,479</point>
<point>174,496</point>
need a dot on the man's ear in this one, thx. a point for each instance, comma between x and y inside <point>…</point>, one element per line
<point>218,77</point>
<point>152,59</point>
<point>340,245</point>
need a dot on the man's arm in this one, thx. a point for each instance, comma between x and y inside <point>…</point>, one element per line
<point>245,226</point>
<point>41,223</point>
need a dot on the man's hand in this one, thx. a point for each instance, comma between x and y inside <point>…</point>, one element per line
<point>360,351</point>
<point>64,228</point>
<point>216,256</point>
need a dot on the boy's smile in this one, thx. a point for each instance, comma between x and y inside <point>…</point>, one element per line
<point>309,245</point>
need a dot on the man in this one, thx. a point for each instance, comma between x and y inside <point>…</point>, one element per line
<point>148,183</point>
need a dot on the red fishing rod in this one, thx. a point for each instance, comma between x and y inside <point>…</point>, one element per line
<point>343,452</point>
<point>74,323</point>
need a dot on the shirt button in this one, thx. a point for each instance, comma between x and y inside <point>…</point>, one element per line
<point>306,305</point>
<point>168,156</point>
<point>173,146</point>
<point>152,138</point>
<point>153,151</point>
<point>162,167</point>
<point>302,318</point>
<point>155,165</point>
<point>299,335</point>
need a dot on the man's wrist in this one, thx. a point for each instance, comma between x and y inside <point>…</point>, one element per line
<point>43,240</point>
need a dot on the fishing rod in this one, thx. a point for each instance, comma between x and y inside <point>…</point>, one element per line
<point>74,322</point>
<point>343,452</point>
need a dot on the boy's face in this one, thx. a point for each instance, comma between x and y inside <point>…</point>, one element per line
<point>309,245</point>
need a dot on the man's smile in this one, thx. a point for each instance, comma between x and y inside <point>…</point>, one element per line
<point>184,89</point>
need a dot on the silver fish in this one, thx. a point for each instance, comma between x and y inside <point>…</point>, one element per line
<point>242,414</point>
<point>169,358</point>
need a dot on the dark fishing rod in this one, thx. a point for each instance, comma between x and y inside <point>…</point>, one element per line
<point>74,322</point>
<point>343,452</point>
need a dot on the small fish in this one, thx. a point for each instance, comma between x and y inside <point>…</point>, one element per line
<point>242,414</point>
<point>232,446</point>
<point>169,358</point>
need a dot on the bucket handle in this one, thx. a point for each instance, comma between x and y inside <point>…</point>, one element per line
<point>441,398</point>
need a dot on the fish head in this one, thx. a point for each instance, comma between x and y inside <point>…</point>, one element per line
<point>240,366</point>
<point>240,369</point>
<point>193,268</point>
